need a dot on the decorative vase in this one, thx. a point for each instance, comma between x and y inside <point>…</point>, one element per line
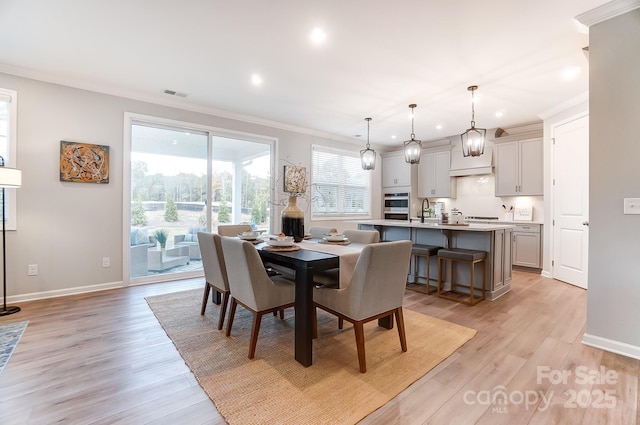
<point>293,220</point>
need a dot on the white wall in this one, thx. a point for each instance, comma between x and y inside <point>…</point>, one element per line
<point>67,228</point>
<point>613,310</point>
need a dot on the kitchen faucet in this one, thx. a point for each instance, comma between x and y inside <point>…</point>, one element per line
<point>422,209</point>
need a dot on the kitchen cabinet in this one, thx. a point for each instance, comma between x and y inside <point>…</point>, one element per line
<point>395,171</point>
<point>433,176</point>
<point>526,245</point>
<point>519,168</point>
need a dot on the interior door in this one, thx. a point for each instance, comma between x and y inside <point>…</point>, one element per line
<point>571,201</point>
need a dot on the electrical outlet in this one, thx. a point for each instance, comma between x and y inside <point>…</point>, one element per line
<point>32,270</point>
<point>106,262</point>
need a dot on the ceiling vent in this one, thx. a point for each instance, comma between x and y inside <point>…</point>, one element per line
<point>174,93</point>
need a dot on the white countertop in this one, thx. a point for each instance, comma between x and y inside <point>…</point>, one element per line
<point>472,227</point>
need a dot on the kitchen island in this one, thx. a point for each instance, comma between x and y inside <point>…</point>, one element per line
<point>494,239</point>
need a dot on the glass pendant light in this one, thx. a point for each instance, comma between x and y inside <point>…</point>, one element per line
<point>413,147</point>
<point>368,155</point>
<point>473,138</point>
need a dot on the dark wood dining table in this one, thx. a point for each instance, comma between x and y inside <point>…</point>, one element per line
<point>305,263</point>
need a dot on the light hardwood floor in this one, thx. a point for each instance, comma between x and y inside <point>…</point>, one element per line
<point>102,358</point>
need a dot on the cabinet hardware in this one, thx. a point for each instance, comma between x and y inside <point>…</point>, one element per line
<point>585,223</point>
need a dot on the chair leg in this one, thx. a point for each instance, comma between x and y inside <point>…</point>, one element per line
<point>314,320</point>
<point>205,298</point>
<point>223,309</point>
<point>401,333</point>
<point>359,330</point>
<point>255,330</point>
<point>232,313</point>
<point>282,314</point>
<point>340,323</point>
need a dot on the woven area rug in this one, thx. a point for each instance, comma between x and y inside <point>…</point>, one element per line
<point>275,389</point>
<point>10,335</point>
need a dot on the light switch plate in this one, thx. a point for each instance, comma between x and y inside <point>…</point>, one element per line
<point>631,205</point>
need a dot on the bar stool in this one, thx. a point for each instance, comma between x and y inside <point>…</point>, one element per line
<point>423,251</point>
<point>471,257</point>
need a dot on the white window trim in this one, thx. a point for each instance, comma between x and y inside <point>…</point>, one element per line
<point>11,160</point>
<point>333,217</point>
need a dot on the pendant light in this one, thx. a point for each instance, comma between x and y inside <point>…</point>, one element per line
<point>413,147</point>
<point>473,138</point>
<point>368,155</point>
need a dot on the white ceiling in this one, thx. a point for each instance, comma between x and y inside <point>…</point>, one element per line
<point>379,56</point>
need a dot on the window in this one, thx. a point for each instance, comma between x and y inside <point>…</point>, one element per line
<point>339,185</point>
<point>184,178</point>
<point>8,108</point>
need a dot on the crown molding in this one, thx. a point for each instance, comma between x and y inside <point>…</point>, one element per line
<point>171,102</point>
<point>607,11</point>
<point>578,100</point>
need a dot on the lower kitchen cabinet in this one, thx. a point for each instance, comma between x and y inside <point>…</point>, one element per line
<point>526,245</point>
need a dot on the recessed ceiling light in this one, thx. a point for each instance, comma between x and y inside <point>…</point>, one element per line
<point>393,136</point>
<point>256,79</point>
<point>175,142</point>
<point>318,36</point>
<point>499,114</point>
<point>571,73</point>
<point>439,127</point>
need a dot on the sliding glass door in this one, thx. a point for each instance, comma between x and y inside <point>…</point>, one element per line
<point>185,180</point>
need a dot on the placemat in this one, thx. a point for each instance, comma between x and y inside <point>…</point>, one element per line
<point>281,248</point>
<point>347,242</point>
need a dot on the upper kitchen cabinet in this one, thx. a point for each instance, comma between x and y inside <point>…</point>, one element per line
<point>395,171</point>
<point>433,175</point>
<point>519,168</point>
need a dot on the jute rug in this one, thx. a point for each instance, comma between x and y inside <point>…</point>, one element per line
<point>275,389</point>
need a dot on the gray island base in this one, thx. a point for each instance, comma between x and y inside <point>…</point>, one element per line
<point>495,239</point>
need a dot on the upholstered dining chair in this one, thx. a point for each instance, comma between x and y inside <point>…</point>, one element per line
<point>331,278</point>
<point>319,232</point>
<point>215,271</point>
<point>362,236</point>
<point>233,229</point>
<point>251,286</point>
<point>376,290</point>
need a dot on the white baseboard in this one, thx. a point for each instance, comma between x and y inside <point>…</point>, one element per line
<point>546,273</point>
<point>63,292</point>
<point>617,347</point>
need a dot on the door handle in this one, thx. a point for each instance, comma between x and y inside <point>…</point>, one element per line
<point>585,223</point>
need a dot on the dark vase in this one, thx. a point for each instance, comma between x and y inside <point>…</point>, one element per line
<point>293,220</point>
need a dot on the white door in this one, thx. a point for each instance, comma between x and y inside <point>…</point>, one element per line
<point>571,201</point>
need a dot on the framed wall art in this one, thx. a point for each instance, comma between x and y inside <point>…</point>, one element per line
<point>295,179</point>
<point>84,162</point>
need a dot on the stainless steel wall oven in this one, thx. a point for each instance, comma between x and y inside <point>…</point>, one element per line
<point>396,206</point>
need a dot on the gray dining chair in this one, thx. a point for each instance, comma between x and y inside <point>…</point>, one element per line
<point>215,271</point>
<point>331,278</point>
<point>252,288</point>
<point>362,236</point>
<point>319,232</point>
<point>233,229</point>
<point>376,290</point>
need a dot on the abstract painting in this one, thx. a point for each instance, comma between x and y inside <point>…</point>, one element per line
<point>84,162</point>
<point>295,179</point>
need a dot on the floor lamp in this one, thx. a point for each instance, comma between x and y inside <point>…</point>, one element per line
<point>9,178</point>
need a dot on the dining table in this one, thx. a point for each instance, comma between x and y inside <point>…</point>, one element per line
<point>312,256</point>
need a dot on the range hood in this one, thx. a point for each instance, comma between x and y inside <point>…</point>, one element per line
<point>471,165</point>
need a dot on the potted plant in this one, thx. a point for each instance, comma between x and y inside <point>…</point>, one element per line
<point>161,236</point>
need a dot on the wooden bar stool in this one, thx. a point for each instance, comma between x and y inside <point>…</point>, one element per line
<point>423,251</point>
<point>471,257</point>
